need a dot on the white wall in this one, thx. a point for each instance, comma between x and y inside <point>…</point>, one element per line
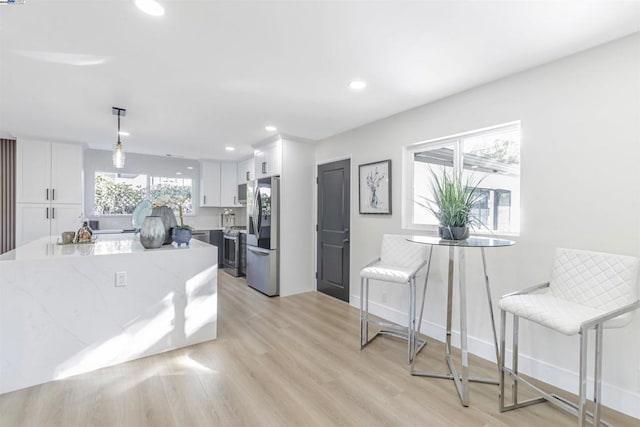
<point>580,189</point>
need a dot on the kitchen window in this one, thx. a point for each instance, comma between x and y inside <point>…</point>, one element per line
<point>491,155</point>
<point>120,193</point>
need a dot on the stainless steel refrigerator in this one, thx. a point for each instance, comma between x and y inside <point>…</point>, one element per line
<point>263,235</point>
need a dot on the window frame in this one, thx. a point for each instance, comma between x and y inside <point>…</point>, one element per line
<point>441,142</point>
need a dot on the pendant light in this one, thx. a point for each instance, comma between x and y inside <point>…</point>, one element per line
<point>118,152</point>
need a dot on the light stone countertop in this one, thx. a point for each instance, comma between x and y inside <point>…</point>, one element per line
<point>106,244</point>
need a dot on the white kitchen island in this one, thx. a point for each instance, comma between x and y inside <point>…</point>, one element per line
<point>61,313</point>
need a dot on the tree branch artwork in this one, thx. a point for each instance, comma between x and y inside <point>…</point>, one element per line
<point>373,182</point>
<point>375,187</point>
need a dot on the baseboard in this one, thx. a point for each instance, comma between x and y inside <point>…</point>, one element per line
<point>621,400</point>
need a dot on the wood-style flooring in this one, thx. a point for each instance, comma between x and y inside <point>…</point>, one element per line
<point>291,361</point>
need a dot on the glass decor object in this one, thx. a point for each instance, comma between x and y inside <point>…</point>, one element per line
<point>84,234</point>
<point>140,212</point>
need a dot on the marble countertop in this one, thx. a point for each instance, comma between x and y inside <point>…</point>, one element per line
<point>106,244</point>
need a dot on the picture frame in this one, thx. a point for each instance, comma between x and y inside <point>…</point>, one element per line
<point>374,187</point>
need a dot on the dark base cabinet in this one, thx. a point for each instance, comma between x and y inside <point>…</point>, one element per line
<point>243,254</point>
<point>216,240</point>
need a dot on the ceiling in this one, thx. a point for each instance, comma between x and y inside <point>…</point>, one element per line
<point>209,74</point>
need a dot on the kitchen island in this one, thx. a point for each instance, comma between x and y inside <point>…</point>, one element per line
<point>69,309</point>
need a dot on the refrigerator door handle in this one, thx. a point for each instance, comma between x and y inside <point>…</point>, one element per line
<point>256,211</point>
<point>259,209</point>
<point>258,250</point>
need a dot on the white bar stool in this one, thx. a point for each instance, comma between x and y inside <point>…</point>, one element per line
<point>586,290</point>
<point>399,262</point>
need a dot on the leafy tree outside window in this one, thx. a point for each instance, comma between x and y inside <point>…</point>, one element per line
<point>119,193</point>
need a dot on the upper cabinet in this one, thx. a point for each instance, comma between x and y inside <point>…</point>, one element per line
<point>66,173</point>
<point>210,194</point>
<point>229,184</point>
<point>218,184</point>
<point>268,159</point>
<point>49,172</point>
<point>49,188</point>
<point>246,171</point>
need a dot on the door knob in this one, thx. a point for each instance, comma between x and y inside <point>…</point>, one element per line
<point>345,240</point>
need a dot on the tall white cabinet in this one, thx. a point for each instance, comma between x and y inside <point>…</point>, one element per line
<point>49,189</point>
<point>293,160</point>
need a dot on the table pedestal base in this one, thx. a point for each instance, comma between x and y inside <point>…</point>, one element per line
<point>461,380</point>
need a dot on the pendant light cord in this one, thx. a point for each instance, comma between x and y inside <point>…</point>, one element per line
<point>119,127</point>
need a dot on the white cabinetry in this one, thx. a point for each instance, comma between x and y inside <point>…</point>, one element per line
<point>36,220</point>
<point>209,184</point>
<point>229,184</point>
<point>268,159</point>
<point>246,171</point>
<point>293,160</point>
<point>49,189</point>
<point>218,184</point>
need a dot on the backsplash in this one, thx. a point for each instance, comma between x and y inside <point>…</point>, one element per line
<point>207,218</point>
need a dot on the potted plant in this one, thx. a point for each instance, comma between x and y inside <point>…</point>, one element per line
<point>453,200</point>
<point>181,233</point>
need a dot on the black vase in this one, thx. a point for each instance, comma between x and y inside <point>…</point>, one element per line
<point>453,233</point>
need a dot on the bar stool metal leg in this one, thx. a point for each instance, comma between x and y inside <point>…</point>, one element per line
<point>363,338</point>
<point>597,386</point>
<point>503,321</point>
<point>582,394</point>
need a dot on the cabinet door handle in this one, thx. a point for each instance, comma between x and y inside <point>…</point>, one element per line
<point>205,200</point>
<point>47,213</point>
<point>53,213</point>
<point>248,176</point>
<point>47,196</point>
<point>234,200</point>
<point>264,167</point>
<point>53,194</point>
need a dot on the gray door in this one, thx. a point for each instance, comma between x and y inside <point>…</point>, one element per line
<point>333,229</point>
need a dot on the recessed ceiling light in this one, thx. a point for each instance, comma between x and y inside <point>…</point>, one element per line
<point>270,128</point>
<point>178,173</point>
<point>150,7</point>
<point>229,148</point>
<point>123,133</point>
<point>189,167</point>
<point>357,85</point>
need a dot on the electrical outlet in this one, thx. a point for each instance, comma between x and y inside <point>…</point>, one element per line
<point>384,297</point>
<point>121,278</point>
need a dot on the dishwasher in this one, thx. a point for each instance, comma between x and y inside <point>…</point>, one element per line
<point>203,236</point>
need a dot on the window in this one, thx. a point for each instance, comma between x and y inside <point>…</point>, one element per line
<point>490,155</point>
<point>120,193</point>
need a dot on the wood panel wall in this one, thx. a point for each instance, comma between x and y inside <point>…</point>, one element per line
<point>7,195</point>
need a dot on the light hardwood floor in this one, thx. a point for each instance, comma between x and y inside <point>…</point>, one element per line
<point>291,361</point>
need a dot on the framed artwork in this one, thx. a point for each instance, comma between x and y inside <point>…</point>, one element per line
<point>375,187</point>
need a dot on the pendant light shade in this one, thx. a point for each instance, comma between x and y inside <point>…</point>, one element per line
<point>118,151</point>
<point>118,156</point>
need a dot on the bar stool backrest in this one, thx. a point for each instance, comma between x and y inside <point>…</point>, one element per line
<point>398,252</point>
<point>594,279</point>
